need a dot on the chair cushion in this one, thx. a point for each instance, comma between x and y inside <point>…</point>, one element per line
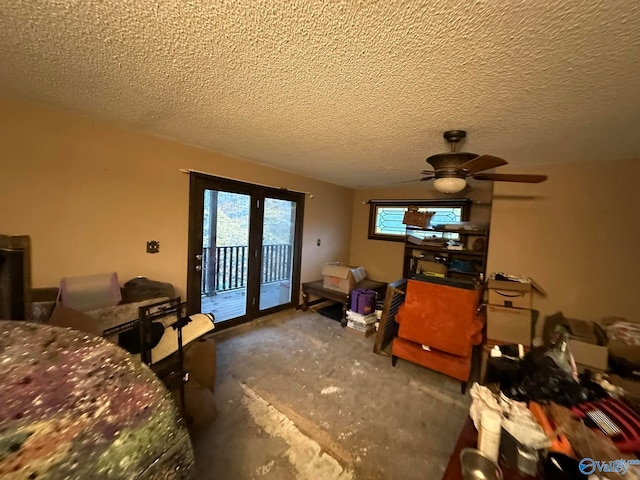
<point>440,316</point>
<point>452,365</point>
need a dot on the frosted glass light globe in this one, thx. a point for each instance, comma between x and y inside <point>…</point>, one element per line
<point>449,184</point>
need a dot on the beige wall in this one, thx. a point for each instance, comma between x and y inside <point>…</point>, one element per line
<point>576,234</point>
<point>383,259</point>
<point>91,195</point>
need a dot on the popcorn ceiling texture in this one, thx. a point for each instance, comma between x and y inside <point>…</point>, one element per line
<point>351,92</point>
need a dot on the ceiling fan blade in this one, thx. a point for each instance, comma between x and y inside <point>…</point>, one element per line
<point>428,173</point>
<point>480,163</point>
<point>423,179</point>
<point>510,177</point>
<point>409,181</point>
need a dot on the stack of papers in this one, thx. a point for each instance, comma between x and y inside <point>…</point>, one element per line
<point>360,326</point>
<point>433,241</point>
<point>358,318</point>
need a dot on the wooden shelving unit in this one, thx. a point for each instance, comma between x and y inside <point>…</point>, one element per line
<point>469,263</point>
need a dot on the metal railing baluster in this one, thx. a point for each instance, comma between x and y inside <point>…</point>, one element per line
<point>231,269</point>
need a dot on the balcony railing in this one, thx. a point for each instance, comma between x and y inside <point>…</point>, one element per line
<point>225,268</point>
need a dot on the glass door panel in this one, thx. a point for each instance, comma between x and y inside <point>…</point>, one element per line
<point>225,254</point>
<point>245,246</point>
<point>278,239</point>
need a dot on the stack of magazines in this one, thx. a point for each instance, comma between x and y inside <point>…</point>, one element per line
<point>433,241</point>
<point>360,322</point>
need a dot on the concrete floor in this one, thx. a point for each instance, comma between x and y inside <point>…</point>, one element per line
<point>299,397</point>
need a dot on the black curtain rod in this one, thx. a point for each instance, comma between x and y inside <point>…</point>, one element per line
<point>443,201</point>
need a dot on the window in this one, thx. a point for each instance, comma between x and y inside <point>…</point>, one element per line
<point>385,216</point>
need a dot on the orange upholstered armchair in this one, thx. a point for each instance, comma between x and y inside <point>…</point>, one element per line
<point>438,326</point>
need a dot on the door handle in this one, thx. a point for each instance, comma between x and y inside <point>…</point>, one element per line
<point>198,268</point>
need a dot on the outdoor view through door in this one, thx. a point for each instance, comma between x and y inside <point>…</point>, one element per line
<point>277,250</point>
<point>243,249</point>
<point>225,244</point>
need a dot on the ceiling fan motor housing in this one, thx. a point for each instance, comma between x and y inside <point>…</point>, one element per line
<point>446,164</point>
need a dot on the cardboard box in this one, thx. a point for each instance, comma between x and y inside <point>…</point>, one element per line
<point>588,346</point>
<point>341,277</point>
<point>43,301</point>
<point>63,316</point>
<point>417,219</point>
<point>620,349</point>
<point>425,267</point>
<point>587,342</point>
<point>623,340</point>
<point>589,354</point>
<point>631,388</point>
<point>512,294</point>
<point>582,330</point>
<point>509,325</point>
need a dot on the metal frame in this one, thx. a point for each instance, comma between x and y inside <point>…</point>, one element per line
<point>177,377</point>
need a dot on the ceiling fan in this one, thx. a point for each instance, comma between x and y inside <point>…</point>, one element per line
<point>451,169</point>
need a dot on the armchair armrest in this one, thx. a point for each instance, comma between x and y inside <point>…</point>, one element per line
<point>388,328</point>
<point>477,326</point>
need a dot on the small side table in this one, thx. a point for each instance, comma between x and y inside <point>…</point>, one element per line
<point>316,288</point>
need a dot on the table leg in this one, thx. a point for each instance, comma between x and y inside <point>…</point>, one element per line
<point>305,299</point>
<point>343,322</point>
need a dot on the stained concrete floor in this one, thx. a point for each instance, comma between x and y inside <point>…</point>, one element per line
<point>299,397</point>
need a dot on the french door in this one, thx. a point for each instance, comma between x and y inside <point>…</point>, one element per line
<point>244,249</point>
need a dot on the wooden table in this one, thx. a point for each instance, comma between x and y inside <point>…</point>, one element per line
<point>316,288</point>
<point>469,439</point>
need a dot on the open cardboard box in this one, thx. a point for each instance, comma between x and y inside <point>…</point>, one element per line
<point>589,355</point>
<point>427,267</point>
<point>587,343</point>
<point>619,348</point>
<point>506,293</point>
<point>341,277</point>
<point>417,219</point>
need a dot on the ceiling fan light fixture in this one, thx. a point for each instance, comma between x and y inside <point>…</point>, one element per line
<point>449,184</point>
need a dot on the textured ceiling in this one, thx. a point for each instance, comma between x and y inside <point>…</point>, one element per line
<point>356,93</point>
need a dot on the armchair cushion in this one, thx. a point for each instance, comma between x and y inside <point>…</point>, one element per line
<point>442,317</point>
<point>452,365</point>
